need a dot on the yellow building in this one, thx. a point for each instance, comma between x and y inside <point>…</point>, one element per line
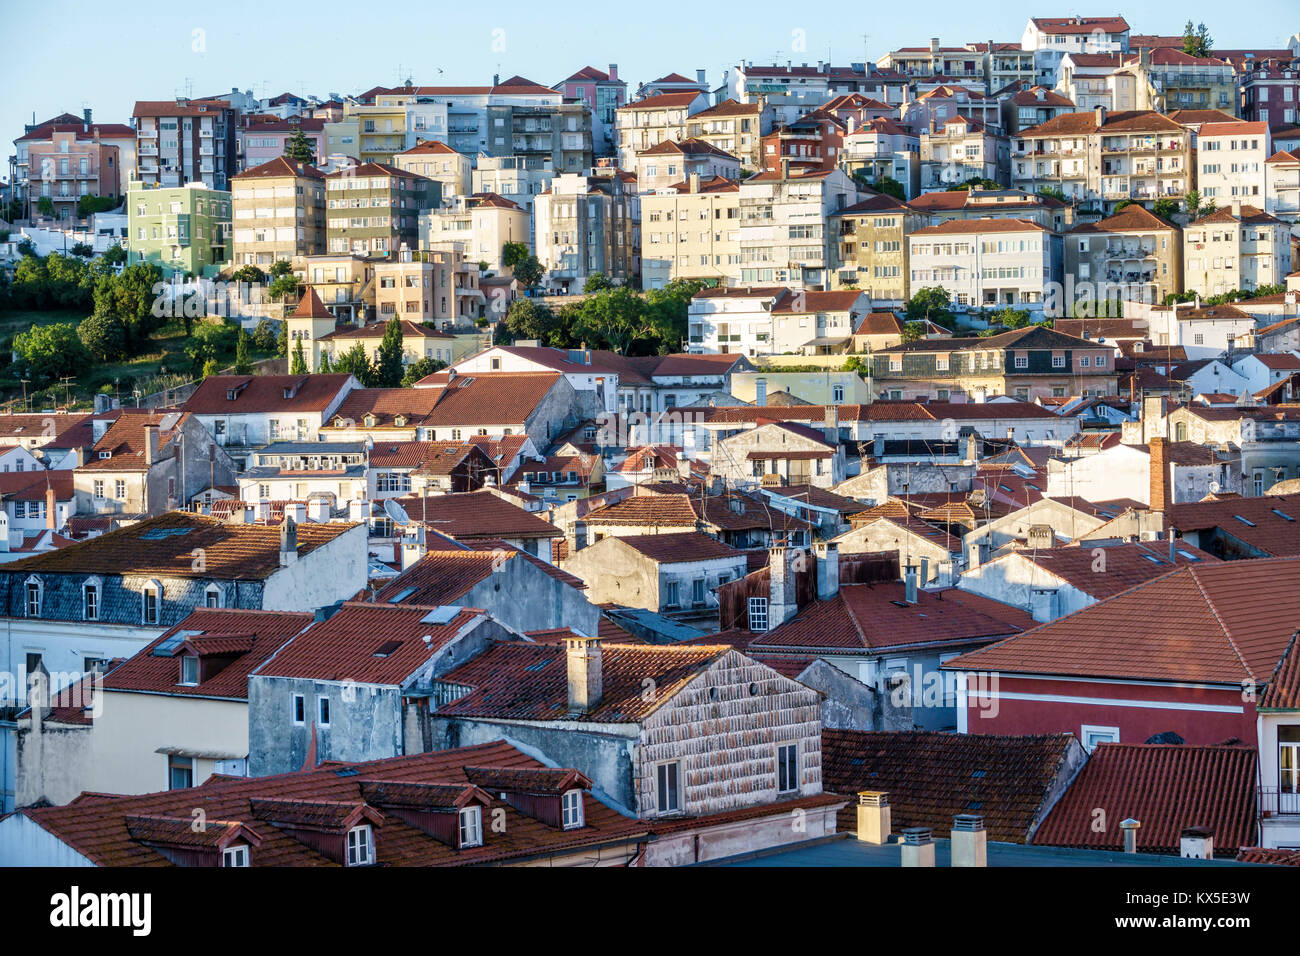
<point>691,230</point>
<point>279,213</point>
<point>344,282</point>
<point>870,247</point>
<point>439,162</point>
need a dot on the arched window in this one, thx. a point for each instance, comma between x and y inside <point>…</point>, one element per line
<point>212,597</point>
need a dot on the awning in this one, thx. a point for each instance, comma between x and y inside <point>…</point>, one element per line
<point>826,340</point>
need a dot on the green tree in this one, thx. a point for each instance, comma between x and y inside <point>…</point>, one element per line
<point>210,367</point>
<point>103,335</point>
<point>299,364</point>
<point>596,282</point>
<point>1165,208</point>
<point>892,187</point>
<point>529,271</point>
<point>282,341</point>
<point>389,370</point>
<point>1052,192</point>
<point>249,274</point>
<point>355,362</point>
<point>264,336</point>
<point>50,352</point>
<point>298,148</point>
<point>528,319</point>
<point>114,255</point>
<point>243,364</point>
<point>283,285</point>
<point>513,253</point>
<point>208,343</point>
<point>1010,318</point>
<point>913,332</point>
<point>88,205</point>
<point>83,250</point>
<point>932,303</point>
<point>45,206</point>
<point>421,368</point>
<point>617,318</point>
<point>281,267</point>
<point>1197,40</point>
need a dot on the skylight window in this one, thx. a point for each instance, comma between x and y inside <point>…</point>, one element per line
<point>1188,555</point>
<point>1153,559</point>
<point>1283,514</point>
<point>158,534</point>
<point>401,595</point>
<point>1245,521</point>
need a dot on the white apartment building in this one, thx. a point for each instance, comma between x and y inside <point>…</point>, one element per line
<point>478,227</point>
<point>1238,246</point>
<point>883,149</point>
<point>784,236</point>
<point>691,231</point>
<point>1282,185</point>
<point>1231,160</point>
<point>1052,37</point>
<point>986,263</point>
<point>959,150</point>
<point>653,120</point>
<point>675,161</point>
<point>438,161</point>
<point>734,320</point>
<point>517,178</point>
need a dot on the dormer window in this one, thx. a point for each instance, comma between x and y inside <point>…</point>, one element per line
<point>212,596</point>
<point>34,590</point>
<point>189,670</point>
<point>572,807</point>
<point>471,827</point>
<point>90,600</point>
<point>235,855</point>
<point>105,454</point>
<point>369,421</point>
<point>230,394</point>
<point>361,846</point>
<point>151,600</point>
<point>400,421</point>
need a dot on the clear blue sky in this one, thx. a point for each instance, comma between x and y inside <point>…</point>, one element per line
<point>107,56</point>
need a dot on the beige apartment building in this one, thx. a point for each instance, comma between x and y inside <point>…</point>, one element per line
<point>1235,247</point>
<point>784,233</point>
<point>344,283</point>
<point>1100,159</point>
<point>869,251</point>
<point>673,162</point>
<point>439,162</point>
<point>734,128</point>
<point>691,230</point>
<point>1133,254</point>
<point>653,120</point>
<point>588,224</point>
<point>477,227</point>
<point>279,213</point>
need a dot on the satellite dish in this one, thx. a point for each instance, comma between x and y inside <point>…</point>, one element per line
<point>396,512</point>
<point>1214,487</point>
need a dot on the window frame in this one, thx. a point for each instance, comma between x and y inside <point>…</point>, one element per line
<point>787,765</point>
<point>239,853</point>
<point>674,787</point>
<point>577,818</point>
<point>471,835</point>
<point>359,838</point>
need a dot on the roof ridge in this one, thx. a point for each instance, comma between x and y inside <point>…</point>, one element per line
<point>1222,625</point>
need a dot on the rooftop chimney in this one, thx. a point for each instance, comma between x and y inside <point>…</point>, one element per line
<point>969,840</point>
<point>693,181</point>
<point>613,71</point>
<point>873,817</point>
<point>1159,464</point>
<point>1101,115</point>
<point>583,657</point>
<point>288,542</point>
<point>918,848</point>
<point>150,444</point>
<point>1130,828</point>
<point>297,510</point>
<point>760,392</point>
<point>1196,843</point>
<point>1236,209</point>
<point>828,569</point>
<point>51,506</point>
<point>782,599</point>
<point>85,115</point>
<point>831,425</point>
<point>699,76</point>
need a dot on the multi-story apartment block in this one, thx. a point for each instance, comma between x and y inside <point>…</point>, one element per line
<point>65,161</point>
<point>789,92</point>
<point>587,224</point>
<point>279,213</point>
<point>423,286</point>
<point>817,323</point>
<point>882,149</point>
<point>870,249</point>
<point>986,263</point>
<point>517,178</point>
<point>674,83</point>
<point>437,161</point>
<point>812,142</point>
<point>733,127</point>
<point>977,203</point>
<point>602,93</point>
<point>264,138</point>
<point>962,149</point>
<point>1006,64</point>
<point>183,229</point>
<point>372,209</point>
<point>783,233</point>
<point>1231,160</point>
<point>1238,246</point>
<point>1270,93</point>
<point>957,63</point>
<point>1179,81</point>
<point>1032,106</point>
<point>476,226</point>
<point>1100,159</point>
<point>342,139</point>
<point>344,283</point>
<point>651,121</point>
<point>733,321</point>
<point>1282,185</point>
<point>1090,80</point>
<point>1133,255</point>
<point>675,161</point>
<point>691,230</point>
<point>1052,37</point>
<point>185,141</point>
<point>381,128</point>
<point>947,101</point>
<point>1028,363</point>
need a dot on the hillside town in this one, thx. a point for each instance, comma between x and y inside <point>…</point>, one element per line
<point>863,464</point>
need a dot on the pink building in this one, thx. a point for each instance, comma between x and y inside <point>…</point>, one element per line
<point>67,160</point>
<point>603,93</point>
<point>263,138</point>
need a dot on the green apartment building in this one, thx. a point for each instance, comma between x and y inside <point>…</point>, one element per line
<point>373,208</point>
<point>183,229</point>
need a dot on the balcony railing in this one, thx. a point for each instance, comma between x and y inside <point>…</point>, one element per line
<point>1273,801</point>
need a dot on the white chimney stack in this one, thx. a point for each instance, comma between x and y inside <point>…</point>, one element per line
<point>318,509</point>
<point>297,510</point>
<point>918,848</point>
<point>583,657</point>
<point>873,817</point>
<point>288,542</point>
<point>1196,843</point>
<point>909,579</point>
<point>969,840</point>
<point>782,602</point>
<point>828,569</point>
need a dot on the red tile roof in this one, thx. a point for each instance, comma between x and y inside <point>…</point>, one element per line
<point>1166,788</point>
<point>1221,623</point>
<point>279,167</point>
<point>679,548</point>
<point>663,101</point>
<point>376,330</point>
<point>442,577</point>
<point>1073,26</point>
<point>1272,520</point>
<point>1125,565</point>
<point>265,393</point>
<point>930,777</point>
<point>125,440</point>
<point>971,226</point>
<point>477,514</point>
<point>805,303</point>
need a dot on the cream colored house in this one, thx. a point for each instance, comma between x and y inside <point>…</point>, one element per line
<point>869,247</point>
<point>439,162</point>
<point>817,323</point>
<point>477,227</point>
<point>675,161</point>
<point>344,282</point>
<point>1231,160</point>
<point>691,230</point>
<point>653,120</point>
<point>1235,247</point>
<point>734,128</point>
<point>784,236</point>
<point>279,213</point>
<point>1133,254</point>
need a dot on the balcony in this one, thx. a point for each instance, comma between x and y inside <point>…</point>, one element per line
<point>146,134</point>
<point>1274,802</point>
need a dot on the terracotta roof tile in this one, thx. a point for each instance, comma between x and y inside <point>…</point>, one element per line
<point>477,514</point>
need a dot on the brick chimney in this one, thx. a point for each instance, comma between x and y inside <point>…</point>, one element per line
<point>150,444</point>
<point>783,602</point>
<point>1160,490</point>
<point>51,505</point>
<point>583,657</point>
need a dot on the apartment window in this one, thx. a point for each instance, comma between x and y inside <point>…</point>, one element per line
<point>668,787</point>
<point>212,596</point>
<point>572,809</point>
<point>758,614</point>
<point>299,709</point>
<point>670,594</point>
<point>189,670</point>
<point>1058,361</point>
<point>361,846</point>
<point>180,772</point>
<point>837,393</point>
<point>119,489</point>
<point>323,711</point>
<point>99,489</point>
<point>1288,758</point>
<point>33,598</point>
<point>150,600</point>
<point>235,855</point>
<point>1022,361</point>
<point>471,827</point>
<point>787,768</point>
<point>1092,735</point>
<point>1084,362</point>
